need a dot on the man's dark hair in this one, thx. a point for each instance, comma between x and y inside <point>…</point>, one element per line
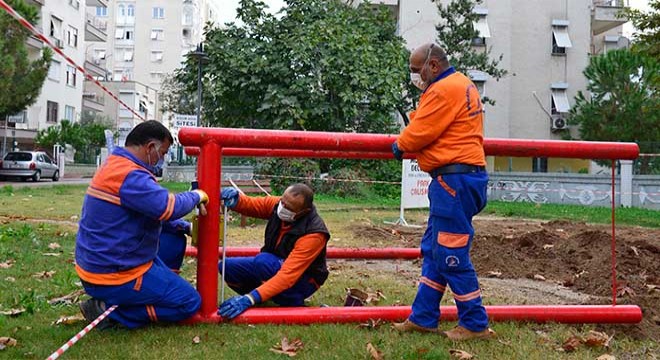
<point>147,131</point>
<point>305,191</point>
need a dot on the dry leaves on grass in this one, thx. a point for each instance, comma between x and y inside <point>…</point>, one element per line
<point>598,339</point>
<point>460,354</point>
<point>12,312</point>
<point>44,274</point>
<point>494,274</point>
<point>375,353</point>
<point>625,291</point>
<point>67,299</point>
<point>357,297</point>
<point>572,343</point>
<point>7,264</point>
<point>287,347</point>
<point>606,357</point>
<point>372,324</point>
<point>196,340</point>
<point>51,254</point>
<point>68,320</point>
<point>54,246</point>
<point>7,342</point>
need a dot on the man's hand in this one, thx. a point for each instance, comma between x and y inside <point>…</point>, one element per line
<point>235,306</point>
<point>229,196</point>
<point>203,199</point>
<point>398,154</point>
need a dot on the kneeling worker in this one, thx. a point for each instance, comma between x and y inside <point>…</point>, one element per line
<point>291,265</point>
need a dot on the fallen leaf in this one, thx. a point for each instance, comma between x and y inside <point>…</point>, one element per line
<point>634,249</point>
<point>572,343</point>
<point>71,298</point>
<point>509,237</point>
<point>74,217</point>
<point>372,324</point>
<point>375,354</point>
<point>10,279</point>
<point>596,339</point>
<point>44,274</point>
<point>12,312</point>
<point>494,274</point>
<point>559,230</point>
<point>54,246</point>
<point>652,287</point>
<point>51,254</point>
<point>543,337</point>
<point>606,357</point>
<point>548,246</point>
<point>539,277</point>
<point>460,354</point>
<point>287,348</point>
<point>196,340</point>
<point>68,320</point>
<point>7,342</point>
<point>7,264</point>
<point>625,290</point>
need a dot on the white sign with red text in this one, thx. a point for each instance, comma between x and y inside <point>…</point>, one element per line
<point>414,186</point>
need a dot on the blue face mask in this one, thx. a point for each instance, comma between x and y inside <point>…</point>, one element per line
<point>157,168</point>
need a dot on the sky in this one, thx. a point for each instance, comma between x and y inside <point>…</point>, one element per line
<point>228,10</point>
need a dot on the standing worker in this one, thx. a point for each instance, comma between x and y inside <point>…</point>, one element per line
<point>117,245</point>
<point>291,265</point>
<point>446,133</point>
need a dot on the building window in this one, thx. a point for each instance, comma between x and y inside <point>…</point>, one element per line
<point>156,56</point>
<point>560,38</point>
<point>74,4</point>
<point>51,111</point>
<point>128,35</point>
<point>481,86</point>
<point>127,98</point>
<point>128,55</point>
<point>121,10</point>
<point>540,165</point>
<point>157,76</point>
<point>99,54</point>
<point>70,75</point>
<point>478,41</point>
<point>158,13</point>
<point>54,71</point>
<point>72,36</point>
<point>481,25</point>
<point>157,34</point>
<point>559,100</point>
<point>69,113</point>
<point>55,28</point>
<point>130,10</point>
<point>101,11</point>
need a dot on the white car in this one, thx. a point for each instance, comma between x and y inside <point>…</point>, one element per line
<point>28,165</point>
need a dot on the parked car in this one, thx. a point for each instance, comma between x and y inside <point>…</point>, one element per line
<point>28,165</point>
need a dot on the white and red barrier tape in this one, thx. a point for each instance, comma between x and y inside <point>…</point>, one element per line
<point>79,335</point>
<point>44,39</point>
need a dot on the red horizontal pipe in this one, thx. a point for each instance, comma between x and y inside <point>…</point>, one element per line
<point>381,143</point>
<point>290,153</point>
<point>566,314</point>
<point>332,253</point>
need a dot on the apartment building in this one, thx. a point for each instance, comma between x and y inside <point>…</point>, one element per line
<point>546,46</point>
<point>147,40</point>
<point>64,23</point>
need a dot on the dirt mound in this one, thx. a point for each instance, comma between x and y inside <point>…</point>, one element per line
<point>573,254</point>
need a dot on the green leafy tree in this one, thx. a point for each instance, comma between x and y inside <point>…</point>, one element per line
<point>647,37</point>
<point>173,99</point>
<point>318,65</point>
<point>622,103</point>
<point>455,34</point>
<point>20,78</point>
<point>85,137</point>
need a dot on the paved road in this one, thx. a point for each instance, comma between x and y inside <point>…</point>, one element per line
<point>30,183</point>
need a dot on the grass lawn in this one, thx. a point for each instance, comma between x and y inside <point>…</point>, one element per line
<point>37,236</point>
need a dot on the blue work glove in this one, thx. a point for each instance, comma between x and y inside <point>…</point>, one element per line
<point>398,154</point>
<point>229,196</point>
<point>235,306</point>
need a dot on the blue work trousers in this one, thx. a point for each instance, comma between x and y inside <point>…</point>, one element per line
<point>244,274</point>
<point>454,200</point>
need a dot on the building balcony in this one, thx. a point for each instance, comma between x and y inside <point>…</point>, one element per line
<point>95,68</point>
<point>93,101</point>
<point>607,14</point>
<point>97,3</point>
<point>95,29</point>
<point>33,42</point>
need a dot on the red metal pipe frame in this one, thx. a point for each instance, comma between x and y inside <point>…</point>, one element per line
<point>332,253</point>
<point>566,314</point>
<point>212,140</point>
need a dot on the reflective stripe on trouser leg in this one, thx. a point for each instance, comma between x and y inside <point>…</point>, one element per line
<point>471,313</point>
<point>426,306</point>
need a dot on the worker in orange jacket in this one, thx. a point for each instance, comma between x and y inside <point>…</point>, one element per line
<point>446,134</point>
<point>292,263</point>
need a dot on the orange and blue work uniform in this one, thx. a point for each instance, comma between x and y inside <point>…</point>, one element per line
<point>117,244</point>
<point>291,265</point>
<point>446,133</point>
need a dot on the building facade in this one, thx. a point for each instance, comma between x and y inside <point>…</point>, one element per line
<point>546,45</point>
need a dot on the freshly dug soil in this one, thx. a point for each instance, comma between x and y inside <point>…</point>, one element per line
<point>575,255</point>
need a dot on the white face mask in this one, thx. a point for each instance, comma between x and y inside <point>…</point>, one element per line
<point>285,214</point>
<point>416,79</point>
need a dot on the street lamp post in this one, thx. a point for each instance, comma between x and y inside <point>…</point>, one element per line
<point>202,58</point>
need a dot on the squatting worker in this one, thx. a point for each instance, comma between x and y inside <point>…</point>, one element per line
<point>292,263</point>
<point>446,133</point>
<point>117,246</point>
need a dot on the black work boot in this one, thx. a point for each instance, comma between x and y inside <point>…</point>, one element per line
<point>92,309</point>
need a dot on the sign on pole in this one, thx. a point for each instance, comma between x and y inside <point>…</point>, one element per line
<point>414,188</point>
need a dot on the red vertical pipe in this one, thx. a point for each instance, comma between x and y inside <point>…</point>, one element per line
<point>613,236</point>
<point>209,228</point>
